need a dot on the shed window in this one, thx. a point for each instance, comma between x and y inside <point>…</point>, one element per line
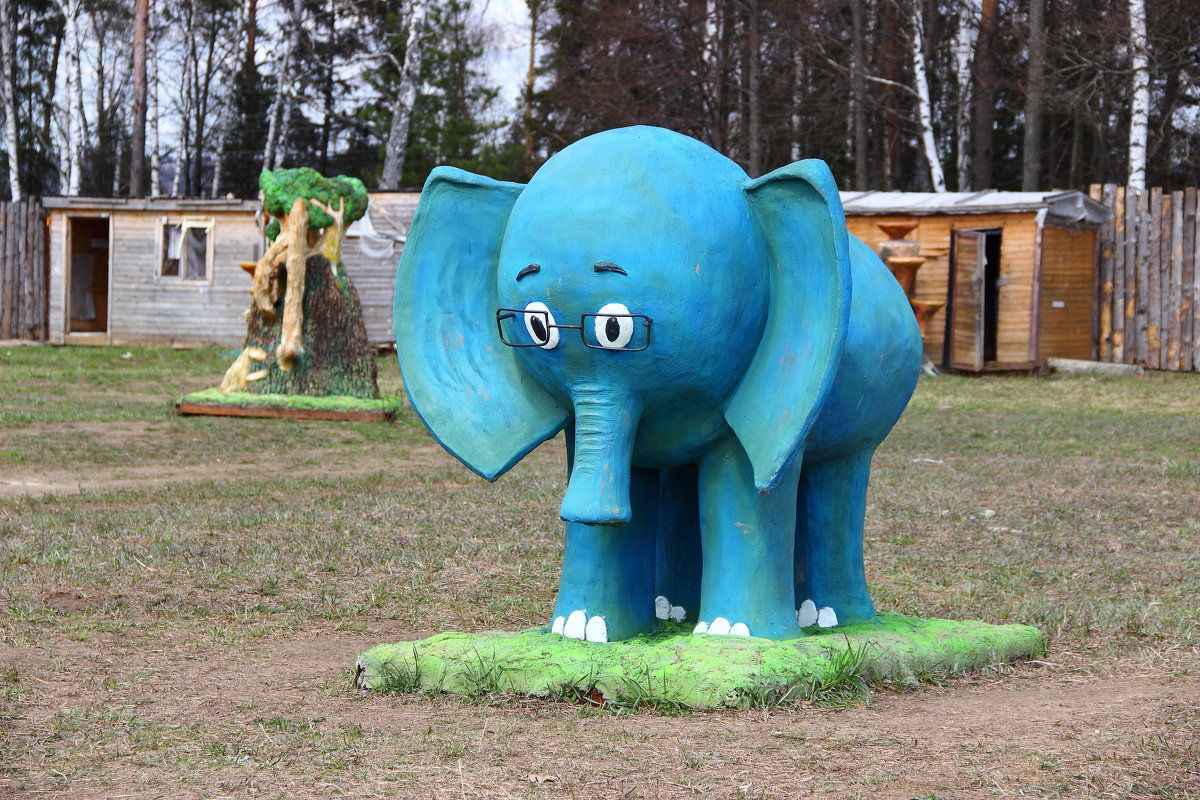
<point>185,251</point>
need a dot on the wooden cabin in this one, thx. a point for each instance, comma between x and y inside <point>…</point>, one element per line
<point>166,270</point>
<point>1016,271</point>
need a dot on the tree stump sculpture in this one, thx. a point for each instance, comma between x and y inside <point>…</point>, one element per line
<point>304,329</point>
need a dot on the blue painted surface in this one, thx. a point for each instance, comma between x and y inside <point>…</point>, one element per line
<point>780,353</point>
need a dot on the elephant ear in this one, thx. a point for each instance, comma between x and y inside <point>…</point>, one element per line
<point>773,408</point>
<point>466,386</point>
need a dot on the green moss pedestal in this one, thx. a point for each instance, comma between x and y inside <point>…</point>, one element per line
<point>678,669</point>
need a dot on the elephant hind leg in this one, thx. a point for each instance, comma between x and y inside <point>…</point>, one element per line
<point>831,583</point>
<point>678,563</point>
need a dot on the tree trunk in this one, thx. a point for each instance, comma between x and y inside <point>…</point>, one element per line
<point>924,106</point>
<point>858,94</point>
<point>276,130</point>
<point>1139,107</point>
<point>892,58</point>
<point>535,7</point>
<point>1035,94</point>
<point>753,94</point>
<point>406,97</point>
<point>75,134</point>
<point>985,96</point>
<point>10,99</point>
<point>797,101</point>
<point>155,144</point>
<point>137,145</point>
<point>964,50</point>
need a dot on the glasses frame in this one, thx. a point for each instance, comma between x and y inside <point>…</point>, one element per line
<point>512,313</point>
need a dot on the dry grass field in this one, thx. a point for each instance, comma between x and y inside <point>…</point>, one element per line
<point>181,600</point>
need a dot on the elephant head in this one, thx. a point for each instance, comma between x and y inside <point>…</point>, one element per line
<point>641,291</point>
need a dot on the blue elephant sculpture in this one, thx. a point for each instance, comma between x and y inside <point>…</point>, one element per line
<point>723,357</point>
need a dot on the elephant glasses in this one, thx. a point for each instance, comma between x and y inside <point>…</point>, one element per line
<point>611,328</point>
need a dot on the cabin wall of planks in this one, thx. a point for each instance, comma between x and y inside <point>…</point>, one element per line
<point>1018,245</point>
<point>1149,278</point>
<point>23,287</point>
<point>144,306</point>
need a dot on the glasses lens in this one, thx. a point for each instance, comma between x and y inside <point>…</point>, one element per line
<point>616,331</point>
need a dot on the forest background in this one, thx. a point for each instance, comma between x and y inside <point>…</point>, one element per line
<point>195,97</point>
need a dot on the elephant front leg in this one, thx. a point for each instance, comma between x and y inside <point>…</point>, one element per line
<point>606,592</point>
<point>831,583</point>
<point>747,537</point>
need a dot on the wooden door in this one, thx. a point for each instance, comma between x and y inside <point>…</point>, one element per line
<point>969,261</point>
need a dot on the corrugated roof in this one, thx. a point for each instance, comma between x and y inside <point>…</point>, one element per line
<point>151,203</point>
<point>1071,206</point>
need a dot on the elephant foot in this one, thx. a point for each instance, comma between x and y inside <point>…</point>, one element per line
<point>722,627</point>
<point>808,614</point>
<point>577,625</point>
<point>664,610</point>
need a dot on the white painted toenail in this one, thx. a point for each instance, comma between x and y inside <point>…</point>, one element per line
<point>701,627</point>
<point>739,629</point>
<point>597,630</point>
<point>720,626</point>
<point>662,607</point>
<point>676,614</point>
<point>574,628</point>
<point>557,627</point>
<point>827,618</point>
<point>807,615</point>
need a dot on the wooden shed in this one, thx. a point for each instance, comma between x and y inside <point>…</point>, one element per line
<point>1016,271</point>
<point>166,270</point>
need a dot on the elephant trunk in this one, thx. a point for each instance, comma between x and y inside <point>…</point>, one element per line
<point>598,491</point>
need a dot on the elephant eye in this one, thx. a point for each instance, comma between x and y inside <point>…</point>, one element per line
<point>613,326</point>
<point>541,325</point>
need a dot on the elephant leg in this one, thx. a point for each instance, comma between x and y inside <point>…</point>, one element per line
<point>678,563</point>
<point>607,587</point>
<point>831,585</point>
<point>748,585</point>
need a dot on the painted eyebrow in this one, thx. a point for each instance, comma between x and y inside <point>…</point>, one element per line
<point>532,269</point>
<point>607,266</point>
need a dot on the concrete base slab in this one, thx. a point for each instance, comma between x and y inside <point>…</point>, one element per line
<point>678,668</point>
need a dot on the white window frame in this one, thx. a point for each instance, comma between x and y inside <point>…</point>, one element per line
<point>206,224</point>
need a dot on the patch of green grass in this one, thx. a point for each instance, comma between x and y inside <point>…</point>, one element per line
<point>228,536</point>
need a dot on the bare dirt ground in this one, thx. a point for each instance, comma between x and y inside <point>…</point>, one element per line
<point>238,721</point>
<point>153,648</point>
<point>1021,733</point>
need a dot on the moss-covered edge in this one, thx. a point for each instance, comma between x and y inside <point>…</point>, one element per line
<point>214,396</point>
<point>675,668</point>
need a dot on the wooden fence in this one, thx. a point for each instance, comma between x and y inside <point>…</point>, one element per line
<point>1149,278</point>
<point>23,288</point>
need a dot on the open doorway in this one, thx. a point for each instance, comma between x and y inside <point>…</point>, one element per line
<point>88,263</point>
<point>975,281</point>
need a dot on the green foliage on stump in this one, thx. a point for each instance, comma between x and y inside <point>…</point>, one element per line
<point>281,187</point>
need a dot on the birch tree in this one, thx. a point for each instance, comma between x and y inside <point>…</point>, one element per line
<point>924,105</point>
<point>406,98</point>
<point>74,100</point>
<point>964,51</point>
<point>281,108</point>
<point>1139,108</point>
<point>155,143</point>
<point>9,91</point>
